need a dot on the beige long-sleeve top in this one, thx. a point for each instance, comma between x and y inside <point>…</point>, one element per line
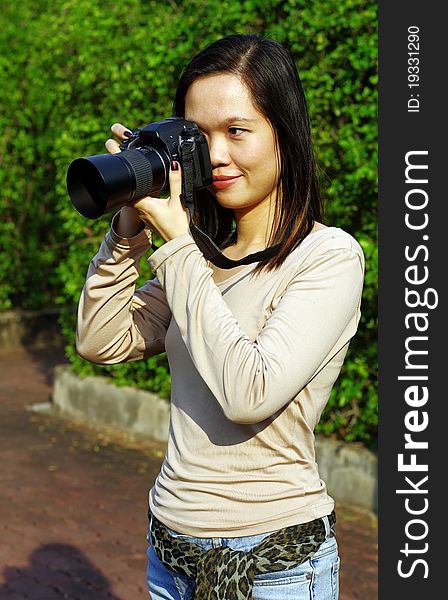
<point>252,360</point>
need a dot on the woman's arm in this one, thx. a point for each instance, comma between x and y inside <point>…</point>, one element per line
<point>315,317</point>
<point>115,322</point>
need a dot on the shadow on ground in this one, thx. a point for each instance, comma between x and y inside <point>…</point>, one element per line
<point>56,571</point>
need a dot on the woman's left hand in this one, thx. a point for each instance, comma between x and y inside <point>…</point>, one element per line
<point>168,216</point>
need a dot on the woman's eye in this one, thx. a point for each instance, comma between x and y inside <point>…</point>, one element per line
<point>236,131</point>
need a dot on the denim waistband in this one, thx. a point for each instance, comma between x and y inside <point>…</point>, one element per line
<point>221,570</point>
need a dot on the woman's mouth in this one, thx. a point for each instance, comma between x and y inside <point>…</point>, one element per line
<point>224,181</point>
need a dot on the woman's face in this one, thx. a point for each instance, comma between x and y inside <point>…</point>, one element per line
<point>241,142</point>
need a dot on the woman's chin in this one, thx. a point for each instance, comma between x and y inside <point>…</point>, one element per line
<point>225,200</point>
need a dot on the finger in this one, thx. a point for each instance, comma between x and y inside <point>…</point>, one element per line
<point>175,179</point>
<point>112,146</point>
<point>120,131</point>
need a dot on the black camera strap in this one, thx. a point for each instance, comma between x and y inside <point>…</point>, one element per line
<point>212,253</point>
<point>205,244</point>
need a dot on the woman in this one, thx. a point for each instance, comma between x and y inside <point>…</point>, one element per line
<point>254,350</point>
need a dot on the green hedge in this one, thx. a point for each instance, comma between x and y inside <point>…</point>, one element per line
<point>70,69</point>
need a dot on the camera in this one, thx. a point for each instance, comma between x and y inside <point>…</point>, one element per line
<point>103,183</point>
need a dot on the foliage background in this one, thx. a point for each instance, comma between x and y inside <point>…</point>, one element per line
<point>70,69</point>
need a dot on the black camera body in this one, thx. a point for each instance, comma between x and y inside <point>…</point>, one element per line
<point>104,183</point>
<point>169,135</point>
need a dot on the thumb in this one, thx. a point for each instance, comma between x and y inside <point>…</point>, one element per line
<point>175,179</point>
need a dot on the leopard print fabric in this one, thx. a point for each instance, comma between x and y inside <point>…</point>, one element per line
<point>224,574</point>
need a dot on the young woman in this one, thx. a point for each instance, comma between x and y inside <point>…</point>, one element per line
<point>238,509</point>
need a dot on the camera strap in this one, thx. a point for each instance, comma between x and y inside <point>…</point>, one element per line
<point>205,244</point>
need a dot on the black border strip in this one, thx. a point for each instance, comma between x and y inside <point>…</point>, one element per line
<point>412,261</point>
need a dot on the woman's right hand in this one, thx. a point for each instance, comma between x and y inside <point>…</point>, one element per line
<point>129,223</point>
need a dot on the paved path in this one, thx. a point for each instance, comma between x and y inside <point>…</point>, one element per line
<point>73,503</point>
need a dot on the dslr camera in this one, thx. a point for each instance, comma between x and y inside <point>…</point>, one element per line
<point>103,183</point>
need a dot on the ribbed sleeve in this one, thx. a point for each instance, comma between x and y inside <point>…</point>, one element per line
<point>116,323</point>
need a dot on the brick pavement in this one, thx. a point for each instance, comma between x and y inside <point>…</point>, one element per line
<point>73,503</point>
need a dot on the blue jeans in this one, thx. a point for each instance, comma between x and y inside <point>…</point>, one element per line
<point>315,579</point>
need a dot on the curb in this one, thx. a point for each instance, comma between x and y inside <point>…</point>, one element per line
<point>101,403</point>
<point>349,470</point>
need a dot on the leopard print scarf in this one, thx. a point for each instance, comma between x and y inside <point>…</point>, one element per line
<point>222,573</point>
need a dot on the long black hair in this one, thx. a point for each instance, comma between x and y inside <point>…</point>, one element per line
<point>268,70</point>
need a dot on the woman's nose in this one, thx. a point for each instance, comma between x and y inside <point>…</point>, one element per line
<point>219,152</point>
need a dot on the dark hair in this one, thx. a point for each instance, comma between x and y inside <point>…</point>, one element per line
<point>269,72</point>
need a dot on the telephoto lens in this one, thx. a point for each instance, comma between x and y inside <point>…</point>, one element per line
<point>103,183</point>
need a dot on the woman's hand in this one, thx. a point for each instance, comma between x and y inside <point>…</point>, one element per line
<point>167,216</point>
